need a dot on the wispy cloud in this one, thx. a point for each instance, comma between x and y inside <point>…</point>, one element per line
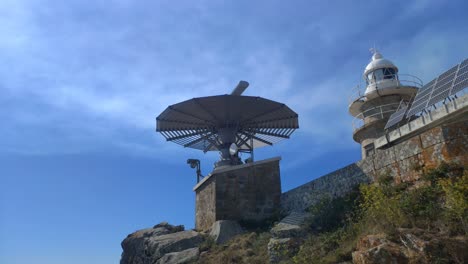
<point>81,77</point>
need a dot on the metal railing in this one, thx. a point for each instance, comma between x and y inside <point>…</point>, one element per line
<point>377,112</point>
<point>401,80</point>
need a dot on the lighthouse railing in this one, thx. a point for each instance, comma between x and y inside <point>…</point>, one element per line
<point>404,80</point>
<point>374,114</point>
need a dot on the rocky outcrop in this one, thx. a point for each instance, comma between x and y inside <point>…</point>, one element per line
<point>151,245</point>
<point>224,230</point>
<point>184,256</point>
<point>411,246</point>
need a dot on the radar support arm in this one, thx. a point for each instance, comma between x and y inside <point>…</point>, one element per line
<point>240,88</point>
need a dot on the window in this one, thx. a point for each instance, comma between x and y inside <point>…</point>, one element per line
<point>389,73</point>
<point>369,149</point>
<point>378,74</point>
<point>370,77</point>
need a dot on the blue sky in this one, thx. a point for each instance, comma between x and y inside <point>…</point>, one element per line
<point>81,83</point>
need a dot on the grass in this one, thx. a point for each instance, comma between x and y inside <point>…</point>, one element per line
<point>246,248</point>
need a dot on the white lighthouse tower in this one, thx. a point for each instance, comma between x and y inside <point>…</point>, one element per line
<point>385,91</point>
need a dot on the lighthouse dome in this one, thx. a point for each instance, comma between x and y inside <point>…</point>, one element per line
<point>380,74</point>
<point>379,62</point>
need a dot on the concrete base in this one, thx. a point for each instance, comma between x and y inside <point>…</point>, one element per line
<point>247,192</point>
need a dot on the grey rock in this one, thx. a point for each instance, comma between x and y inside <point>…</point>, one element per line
<point>283,249</point>
<point>290,226</point>
<point>224,230</point>
<point>275,248</point>
<point>184,256</point>
<point>282,230</point>
<point>148,245</point>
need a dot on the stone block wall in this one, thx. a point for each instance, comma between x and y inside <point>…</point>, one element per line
<point>404,161</point>
<point>249,192</point>
<point>335,184</point>
<point>408,159</point>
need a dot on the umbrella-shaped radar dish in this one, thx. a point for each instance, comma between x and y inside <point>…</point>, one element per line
<point>230,124</point>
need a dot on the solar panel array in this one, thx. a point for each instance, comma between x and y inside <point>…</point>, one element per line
<point>447,84</point>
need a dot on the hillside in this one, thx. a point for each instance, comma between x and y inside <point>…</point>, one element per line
<point>384,222</point>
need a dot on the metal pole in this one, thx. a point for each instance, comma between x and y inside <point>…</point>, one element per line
<point>198,173</point>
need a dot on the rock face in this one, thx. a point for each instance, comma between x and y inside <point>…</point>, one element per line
<point>224,230</point>
<point>412,246</point>
<point>184,256</point>
<point>147,246</point>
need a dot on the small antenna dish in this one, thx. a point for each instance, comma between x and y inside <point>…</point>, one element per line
<point>233,149</point>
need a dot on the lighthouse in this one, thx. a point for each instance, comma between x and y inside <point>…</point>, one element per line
<point>384,92</point>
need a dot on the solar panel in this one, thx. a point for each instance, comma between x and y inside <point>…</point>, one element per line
<point>461,81</point>
<point>444,84</point>
<point>421,98</point>
<point>396,117</point>
<point>447,84</point>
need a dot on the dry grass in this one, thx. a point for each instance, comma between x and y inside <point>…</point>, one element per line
<point>247,248</point>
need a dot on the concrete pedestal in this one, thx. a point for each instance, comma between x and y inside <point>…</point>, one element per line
<point>247,192</point>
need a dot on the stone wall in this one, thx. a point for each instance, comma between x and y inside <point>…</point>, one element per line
<point>408,159</point>
<point>332,185</point>
<point>405,161</point>
<point>249,192</point>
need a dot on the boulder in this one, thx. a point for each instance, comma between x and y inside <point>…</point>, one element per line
<point>148,245</point>
<point>224,230</point>
<point>181,257</point>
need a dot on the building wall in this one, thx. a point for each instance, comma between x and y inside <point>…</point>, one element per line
<point>405,162</point>
<point>249,192</point>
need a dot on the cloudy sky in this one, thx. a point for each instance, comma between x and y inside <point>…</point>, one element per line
<point>81,83</point>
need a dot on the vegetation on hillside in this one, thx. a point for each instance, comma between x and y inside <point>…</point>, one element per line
<point>439,205</point>
<point>247,248</point>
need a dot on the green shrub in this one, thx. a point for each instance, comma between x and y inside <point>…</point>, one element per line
<point>380,209</point>
<point>422,206</point>
<point>456,202</point>
<point>329,214</point>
